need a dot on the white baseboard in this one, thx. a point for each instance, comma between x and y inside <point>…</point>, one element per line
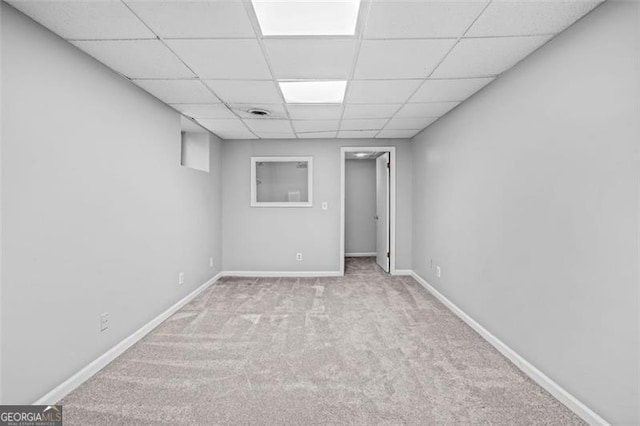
<point>260,274</point>
<point>538,376</point>
<point>360,254</point>
<point>87,372</point>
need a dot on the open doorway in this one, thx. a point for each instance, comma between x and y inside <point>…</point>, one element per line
<point>367,231</point>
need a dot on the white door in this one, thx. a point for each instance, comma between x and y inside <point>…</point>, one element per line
<point>382,211</point>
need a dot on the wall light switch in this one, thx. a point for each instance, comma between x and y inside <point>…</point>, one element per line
<point>325,205</point>
<point>181,278</point>
<point>104,321</point>
<point>211,262</point>
<point>438,271</point>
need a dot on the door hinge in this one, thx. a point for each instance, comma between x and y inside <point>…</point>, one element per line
<point>388,254</point>
<point>388,165</point>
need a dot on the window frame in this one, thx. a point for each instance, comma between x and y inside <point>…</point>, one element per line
<point>281,159</point>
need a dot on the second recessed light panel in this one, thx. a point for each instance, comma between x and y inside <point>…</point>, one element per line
<point>308,18</point>
<point>313,92</point>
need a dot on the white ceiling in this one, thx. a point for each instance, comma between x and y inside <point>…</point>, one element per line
<point>409,63</point>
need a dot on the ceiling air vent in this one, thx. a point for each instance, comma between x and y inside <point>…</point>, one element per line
<point>257,112</point>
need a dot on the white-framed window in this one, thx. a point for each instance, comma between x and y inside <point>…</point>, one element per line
<point>194,152</point>
<point>281,181</point>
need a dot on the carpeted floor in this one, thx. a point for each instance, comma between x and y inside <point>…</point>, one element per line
<point>366,348</point>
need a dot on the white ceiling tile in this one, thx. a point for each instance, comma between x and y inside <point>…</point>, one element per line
<point>178,91</point>
<point>357,133</point>
<point>314,112</point>
<point>276,135</point>
<point>136,58</point>
<point>352,111</point>
<point>400,59</point>
<point>228,129</point>
<point>310,58</point>
<point>380,91</point>
<point>236,91</point>
<point>433,109</point>
<point>276,111</point>
<point>421,19</point>
<point>223,125</point>
<point>478,57</point>
<point>399,134</point>
<point>262,125</point>
<point>409,123</point>
<point>315,125</point>
<point>316,135</point>
<point>195,19</point>
<point>228,58</point>
<point>449,90</point>
<point>518,17</point>
<point>86,20</point>
<point>204,110</point>
<point>237,135</point>
<point>187,125</point>
<point>364,124</point>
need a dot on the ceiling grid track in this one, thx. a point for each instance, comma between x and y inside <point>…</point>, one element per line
<point>442,59</point>
<point>364,18</point>
<point>256,28</point>
<point>197,77</point>
<point>398,65</point>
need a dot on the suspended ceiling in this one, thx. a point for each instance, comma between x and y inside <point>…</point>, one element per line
<point>408,63</point>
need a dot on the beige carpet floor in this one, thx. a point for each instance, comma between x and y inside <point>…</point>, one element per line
<point>366,348</point>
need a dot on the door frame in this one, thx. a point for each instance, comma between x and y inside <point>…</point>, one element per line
<point>392,200</point>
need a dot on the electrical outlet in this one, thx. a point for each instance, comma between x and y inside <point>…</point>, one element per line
<point>299,257</point>
<point>104,321</point>
<point>438,272</point>
<point>211,262</point>
<point>325,205</point>
<point>181,278</point>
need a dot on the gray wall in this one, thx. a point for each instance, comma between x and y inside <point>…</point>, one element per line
<point>97,213</point>
<point>1,149</point>
<point>527,197</point>
<point>360,206</point>
<point>267,239</point>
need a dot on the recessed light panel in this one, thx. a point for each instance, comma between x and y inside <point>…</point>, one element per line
<point>307,17</point>
<point>313,92</point>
